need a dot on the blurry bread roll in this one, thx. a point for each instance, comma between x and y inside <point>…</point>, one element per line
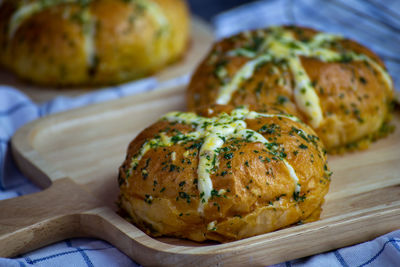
<point>228,175</point>
<point>336,85</point>
<point>91,42</point>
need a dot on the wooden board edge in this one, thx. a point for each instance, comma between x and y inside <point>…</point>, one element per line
<point>35,220</point>
<point>30,163</point>
<point>258,250</point>
<point>27,158</point>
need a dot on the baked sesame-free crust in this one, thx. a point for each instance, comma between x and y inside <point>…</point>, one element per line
<point>91,42</point>
<point>253,190</point>
<point>352,87</point>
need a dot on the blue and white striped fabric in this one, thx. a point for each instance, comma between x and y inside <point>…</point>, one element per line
<point>372,22</point>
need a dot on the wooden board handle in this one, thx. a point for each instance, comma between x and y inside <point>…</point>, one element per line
<point>35,220</point>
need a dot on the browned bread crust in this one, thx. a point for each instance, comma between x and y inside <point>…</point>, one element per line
<point>354,96</point>
<point>253,190</point>
<point>91,42</point>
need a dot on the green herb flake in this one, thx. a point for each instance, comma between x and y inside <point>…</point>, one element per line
<point>303,146</point>
<point>228,155</point>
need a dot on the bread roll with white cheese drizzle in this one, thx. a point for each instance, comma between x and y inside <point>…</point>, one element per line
<point>336,85</point>
<point>229,174</point>
<point>91,42</point>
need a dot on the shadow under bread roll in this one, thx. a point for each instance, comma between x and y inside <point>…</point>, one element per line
<point>227,174</point>
<point>91,42</point>
<point>335,85</point>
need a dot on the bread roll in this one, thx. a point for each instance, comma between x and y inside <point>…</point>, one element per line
<point>228,175</point>
<point>91,42</point>
<point>336,85</point>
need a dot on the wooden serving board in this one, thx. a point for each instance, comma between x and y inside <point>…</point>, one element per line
<point>202,37</point>
<point>76,155</point>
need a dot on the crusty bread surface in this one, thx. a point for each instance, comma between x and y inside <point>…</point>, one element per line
<point>253,191</point>
<point>343,80</point>
<point>91,42</point>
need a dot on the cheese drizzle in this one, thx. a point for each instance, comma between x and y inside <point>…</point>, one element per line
<point>281,45</point>
<point>215,132</point>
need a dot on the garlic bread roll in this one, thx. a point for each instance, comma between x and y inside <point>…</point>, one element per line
<point>226,175</point>
<point>91,42</point>
<point>336,85</point>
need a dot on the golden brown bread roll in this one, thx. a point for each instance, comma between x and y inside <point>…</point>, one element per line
<point>336,85</point>
<point>229,175</point>
<point>91,42</point>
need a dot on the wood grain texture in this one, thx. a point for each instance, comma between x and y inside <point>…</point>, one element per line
<point>201,40</point>
<point>89,144</point>
<point>35,220</point>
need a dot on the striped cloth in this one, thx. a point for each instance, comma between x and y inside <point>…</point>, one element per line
<point>372,22</point>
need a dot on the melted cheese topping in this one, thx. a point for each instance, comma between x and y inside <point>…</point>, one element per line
<point>304,94</point>
<point>244,73</point>
<point>163,29</point>
<point>280,44</point>
<point>215,132</point>
<point>211,226</point>
<point>254,115</point>
<point>89,32</point>
<point>157,14</point>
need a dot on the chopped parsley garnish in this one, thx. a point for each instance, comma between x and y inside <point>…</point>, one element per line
<point>185,195</point>
<point>281,99</point>
<point>303,146</point>
<point>228,155</point>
